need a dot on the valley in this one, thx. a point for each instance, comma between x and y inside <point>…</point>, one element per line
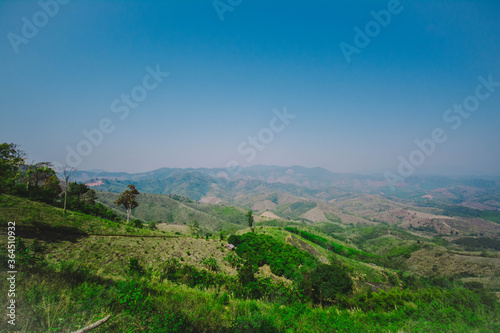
<point>176,248</point>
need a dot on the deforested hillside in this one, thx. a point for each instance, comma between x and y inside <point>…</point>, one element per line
<point>165,281</point>
<point>180,210</point>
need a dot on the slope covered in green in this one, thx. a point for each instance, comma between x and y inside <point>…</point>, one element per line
<point>150,281</point>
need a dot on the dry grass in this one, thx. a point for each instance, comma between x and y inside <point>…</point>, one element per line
<point>109,256</point>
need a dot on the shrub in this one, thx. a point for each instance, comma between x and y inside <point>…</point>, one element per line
<point>233,260</point>
<point>210,263</point>
<point>137,224</point>
<point>283,259</point>
<point>328,282</point>
<point>135,267</point>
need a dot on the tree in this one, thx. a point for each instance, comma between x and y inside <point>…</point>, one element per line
<point>11,159</point>
<point>90,197</point>
<point>250,219</point>
<point>41,181</point>
<point>127,200</point>
<point>67,173</point>
<point>328,281</point>
<point>36,173</point>
<point>78,190</point>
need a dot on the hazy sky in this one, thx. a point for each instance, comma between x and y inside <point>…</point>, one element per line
<point>360,100</point>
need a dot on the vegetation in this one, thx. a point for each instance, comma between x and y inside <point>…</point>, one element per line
<point>180,210</point>
<point>479,243</point>
<point>331,246</point>
<point>127,200</point>
<point>250,220</point>
<point>83,264</point>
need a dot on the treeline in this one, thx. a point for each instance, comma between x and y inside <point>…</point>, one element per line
<point>40,182</point>
<point>312,281</point>
<point>479,243</point>
<point>331,246</point>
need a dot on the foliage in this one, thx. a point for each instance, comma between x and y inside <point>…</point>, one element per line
<point>134,267</point>
<point>328,281</point>
<point>333,218</point>
<point>331,246</point>
<point>152,225</point>
<point>194,227</point>
<point>210,263</point>
<point>273,197</point>
<point>228,213</point>
<point>329,228</point>
<point>479,243</point>
<point>490,215</point>
<point>29,256</point>
<point>137,223</point>
<point>11,159</point>
<point>250,219</point>
<point>296,209</point>
<point>233,260</point>
<point>142,305</point>
<point>283,259</point>
<point>128,199</point>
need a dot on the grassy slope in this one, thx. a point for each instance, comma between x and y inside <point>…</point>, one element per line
<point>163,208</point>
<point>37,218</point>
<point>84,281</point>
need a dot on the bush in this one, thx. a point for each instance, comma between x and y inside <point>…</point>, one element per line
<point>283,259</point>
<point>328,282</point>
<point>134,267</point>
<point>233,260</point>
<point>137,224</point>
<point>210,263</point>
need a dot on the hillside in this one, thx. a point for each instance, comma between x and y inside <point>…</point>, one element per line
<point>180,210</point>
<point>164,281</point>
<point>472,192</point>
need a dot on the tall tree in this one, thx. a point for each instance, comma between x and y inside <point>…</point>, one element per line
<point>67,173</point>
<point>41,181</point>
<point>127,200</point>
<point>37,173</point>
<point>78,190</point>
<point>328,281</point>
<point>11,159</point>
<point>250,219</point>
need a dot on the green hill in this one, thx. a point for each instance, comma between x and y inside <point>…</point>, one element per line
<point>180,210</point>
<point>74,269</point>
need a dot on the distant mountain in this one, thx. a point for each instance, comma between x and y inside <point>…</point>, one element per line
<point>255,184</point>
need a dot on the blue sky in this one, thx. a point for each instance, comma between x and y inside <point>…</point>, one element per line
<point>226,78</point>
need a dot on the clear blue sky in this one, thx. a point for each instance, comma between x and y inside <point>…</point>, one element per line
<point>226,77</point>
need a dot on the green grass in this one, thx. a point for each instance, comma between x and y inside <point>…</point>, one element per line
<point>65,298</point>
<point>491,216</point>
<point>177,209</point>
<point>87,277</point>
<point>35,218</point>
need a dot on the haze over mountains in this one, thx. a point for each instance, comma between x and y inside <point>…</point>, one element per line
<point>311,183</point>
